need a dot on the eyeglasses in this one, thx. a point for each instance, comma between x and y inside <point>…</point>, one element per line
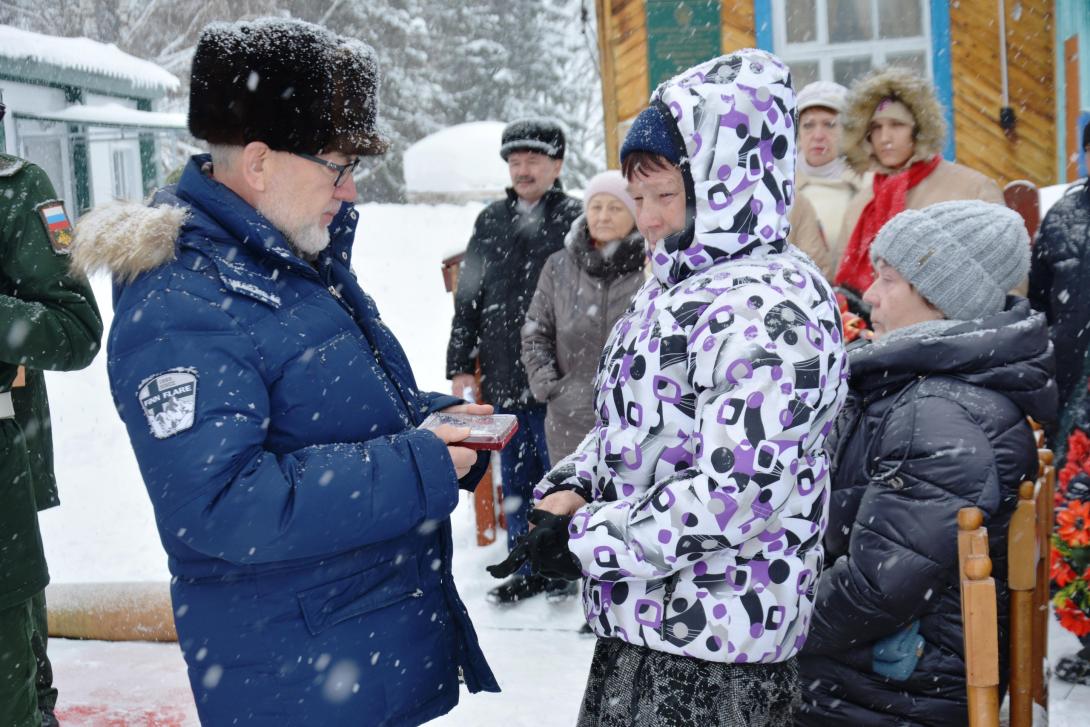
<point>340,169</point>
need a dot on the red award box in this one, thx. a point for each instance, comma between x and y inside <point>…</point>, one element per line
<point>486,431</point>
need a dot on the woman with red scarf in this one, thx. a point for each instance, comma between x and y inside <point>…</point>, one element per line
<point>894,127</point>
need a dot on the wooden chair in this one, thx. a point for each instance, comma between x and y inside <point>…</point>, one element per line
<point>979,619</point>
<point>1023,556</point>
<point>1044,497</point>
<point>1028,553</point>
<point>1022,197</point>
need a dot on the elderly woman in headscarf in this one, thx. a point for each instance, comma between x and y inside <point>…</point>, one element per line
<point>582,291</point>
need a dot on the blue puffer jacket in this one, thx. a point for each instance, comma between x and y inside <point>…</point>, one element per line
<point>273,416</point>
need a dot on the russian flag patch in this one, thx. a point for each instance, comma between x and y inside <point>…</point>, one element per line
<point>57,225</point>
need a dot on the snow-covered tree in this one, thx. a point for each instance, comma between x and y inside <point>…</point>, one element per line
<point>443,63</point>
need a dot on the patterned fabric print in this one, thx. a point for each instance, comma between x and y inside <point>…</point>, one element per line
<point>736,117</point>
<point>706,467</point>
<point>630,686</point>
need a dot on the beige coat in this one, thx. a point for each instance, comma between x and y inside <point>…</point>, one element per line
<point>949,182</point>
<point>807,235</point>
<point>830,198</point>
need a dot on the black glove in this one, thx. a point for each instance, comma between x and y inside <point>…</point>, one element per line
<point>546,547</point>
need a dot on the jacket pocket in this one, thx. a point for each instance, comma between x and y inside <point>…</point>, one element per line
<point>379,586</point>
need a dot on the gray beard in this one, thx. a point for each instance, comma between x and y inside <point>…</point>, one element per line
<point>306,240</point>
<point>309,241</point>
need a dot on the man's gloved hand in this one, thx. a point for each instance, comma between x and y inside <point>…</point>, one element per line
<point>546,547</point>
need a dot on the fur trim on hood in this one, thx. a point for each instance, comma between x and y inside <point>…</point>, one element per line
<point>126,239</point>
<point>909,88</point>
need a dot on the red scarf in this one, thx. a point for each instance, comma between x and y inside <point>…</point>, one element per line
<point>890,190</point>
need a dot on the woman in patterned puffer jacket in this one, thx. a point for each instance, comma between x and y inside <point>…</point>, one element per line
<point>705,474</point>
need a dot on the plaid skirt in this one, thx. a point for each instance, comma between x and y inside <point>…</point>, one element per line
<point>633,686</point>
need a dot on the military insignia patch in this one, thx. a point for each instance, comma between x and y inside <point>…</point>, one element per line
<point>169,401</point>
<point>57,225</point>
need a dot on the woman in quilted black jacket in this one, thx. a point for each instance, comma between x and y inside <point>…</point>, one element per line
<point>935,421</point>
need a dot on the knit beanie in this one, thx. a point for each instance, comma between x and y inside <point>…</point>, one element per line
<point>961,256</point>
<point>613,183</point>
<point>654,131</point>
<point>541,135</point>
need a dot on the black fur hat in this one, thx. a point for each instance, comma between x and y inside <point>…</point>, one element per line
<point>293,85</point>
<point>540,135</point>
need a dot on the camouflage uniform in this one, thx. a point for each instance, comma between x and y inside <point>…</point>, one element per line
<point>48,320</point>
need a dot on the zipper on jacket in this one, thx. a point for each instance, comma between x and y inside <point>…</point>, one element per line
<point>332,288</point>
<point>671,584</point>
<point>605,310</point>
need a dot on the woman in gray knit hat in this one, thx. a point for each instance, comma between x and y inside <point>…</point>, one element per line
<point>935,421</point>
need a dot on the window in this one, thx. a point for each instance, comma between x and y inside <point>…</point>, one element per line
<point>840,40</point>
<point>48,152</point>
<point>124,180</point>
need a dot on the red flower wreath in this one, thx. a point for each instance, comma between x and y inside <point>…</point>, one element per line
<point>1073,619</point>
<point>1073,524</point>
<point>1070,559</point>
<point>1061,570</point>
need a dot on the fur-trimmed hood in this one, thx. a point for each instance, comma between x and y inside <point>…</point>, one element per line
<point>126,239</point>
<point>913,91</point>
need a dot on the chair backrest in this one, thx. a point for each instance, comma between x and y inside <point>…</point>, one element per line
<point>980,622</point>
<point>1028,559</point>
<point>1044,494</point>
<point>1023,555</point>
<point>1022,197</point>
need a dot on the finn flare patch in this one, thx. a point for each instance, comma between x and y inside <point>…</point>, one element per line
<point>169,401</point>
<point>57,225</point>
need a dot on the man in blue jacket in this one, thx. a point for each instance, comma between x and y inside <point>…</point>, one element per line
<point>274,416</point>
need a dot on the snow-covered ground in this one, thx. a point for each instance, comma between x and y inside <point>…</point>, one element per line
<point>104,530</point>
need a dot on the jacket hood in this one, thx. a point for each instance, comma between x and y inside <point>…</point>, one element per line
<point>910,89</point>
<point>1009,352</point>
<point>735,118</point>
<point>626,255</point>
<point>128,239</point>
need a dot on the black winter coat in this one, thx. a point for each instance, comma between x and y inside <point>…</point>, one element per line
<point>932,424</point>
<point>1058,278</point>
<point>505,256</point>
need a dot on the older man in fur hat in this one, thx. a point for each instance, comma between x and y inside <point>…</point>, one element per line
<point>273,415</point>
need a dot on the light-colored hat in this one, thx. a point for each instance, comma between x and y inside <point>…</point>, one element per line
<point>822,93</point>
<point>613,183</point>
<point>963,257</point>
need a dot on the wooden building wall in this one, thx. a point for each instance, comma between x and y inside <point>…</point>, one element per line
<point>622,44</point>
<point>1030,152</point>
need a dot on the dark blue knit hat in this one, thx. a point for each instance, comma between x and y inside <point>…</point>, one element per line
<point>654,131</point>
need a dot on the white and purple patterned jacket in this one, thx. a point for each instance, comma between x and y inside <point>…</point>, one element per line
<point>714,396</point>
